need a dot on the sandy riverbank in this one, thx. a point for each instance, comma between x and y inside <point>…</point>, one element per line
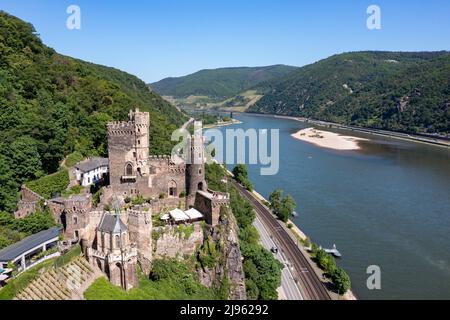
<point>327,139</point>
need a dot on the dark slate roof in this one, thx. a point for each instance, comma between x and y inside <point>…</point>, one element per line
<point>112,223</point>
<point>92,163</point>
<point>17,249</point>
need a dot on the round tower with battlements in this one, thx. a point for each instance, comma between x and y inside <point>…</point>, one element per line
<point>195,165</point>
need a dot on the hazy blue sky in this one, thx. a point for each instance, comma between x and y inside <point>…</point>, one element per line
<point>154,39</point>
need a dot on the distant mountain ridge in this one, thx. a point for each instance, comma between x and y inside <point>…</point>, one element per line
<point>399,91</point>
<point>219,83</point>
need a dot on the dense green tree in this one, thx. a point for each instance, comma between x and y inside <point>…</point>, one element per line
<point>275,200</point>
<point>241,175</point>
<point>25,159</point>
<point>326,261</point>
<point>249,234</point>
<point>8,186</point>
<point>282,207</point>
<point>240,171</point>
<point>263,270</point>
<point>341,280</point>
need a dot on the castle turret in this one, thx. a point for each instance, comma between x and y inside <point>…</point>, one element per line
<point>195,166</point>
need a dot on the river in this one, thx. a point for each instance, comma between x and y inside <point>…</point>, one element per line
<point>387,204</point>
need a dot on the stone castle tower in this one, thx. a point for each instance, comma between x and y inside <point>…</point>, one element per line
<point>129,143</point>
<point>195,166</point>
<point>133,172</point>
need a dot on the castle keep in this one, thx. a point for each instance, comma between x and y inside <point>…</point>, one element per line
<point>133,171</point>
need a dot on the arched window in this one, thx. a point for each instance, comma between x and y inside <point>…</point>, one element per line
<point>200,186</point>
<point>129,170</point>
<point>172,189</point>
<point>117,241</point>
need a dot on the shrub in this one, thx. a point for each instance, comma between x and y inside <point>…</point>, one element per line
<point>208,254</point>
<point>139,200</point>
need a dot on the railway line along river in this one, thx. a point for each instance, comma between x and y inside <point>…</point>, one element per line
<point>385,204</point>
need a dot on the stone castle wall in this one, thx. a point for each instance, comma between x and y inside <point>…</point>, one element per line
<point>172,244</point>
<point>140,231</point>
<point>28,203</point>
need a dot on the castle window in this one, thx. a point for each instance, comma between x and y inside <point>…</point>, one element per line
<point>134,154</point>
<point>139,142</point>
<point>129,170</point>
<point>200,186</point>
<point>117,241</point>
<point>75,220</point>
<point>199,171</point>
<point>172,189</point>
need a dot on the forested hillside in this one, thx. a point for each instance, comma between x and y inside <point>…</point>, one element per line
<point>52,105</point>
<point>390,90</point>
<point>219,84</point>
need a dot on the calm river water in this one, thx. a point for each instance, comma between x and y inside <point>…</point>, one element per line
<point>386,205</point>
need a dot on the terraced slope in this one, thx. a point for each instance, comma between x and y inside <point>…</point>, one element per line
<point>66,283</point>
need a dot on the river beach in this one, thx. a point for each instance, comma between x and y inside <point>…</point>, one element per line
<point>326,139</point>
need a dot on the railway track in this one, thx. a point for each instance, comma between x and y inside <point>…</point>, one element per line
<point>309,284</point>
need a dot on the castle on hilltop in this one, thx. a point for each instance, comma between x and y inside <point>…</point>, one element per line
<point>116,241</point>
